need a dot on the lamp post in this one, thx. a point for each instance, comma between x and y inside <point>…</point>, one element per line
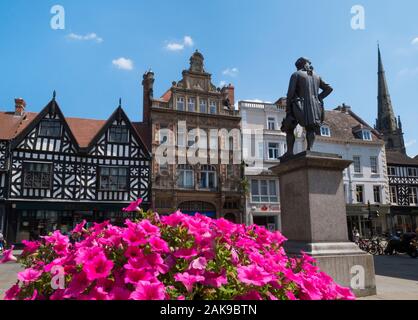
<point>369,207</point>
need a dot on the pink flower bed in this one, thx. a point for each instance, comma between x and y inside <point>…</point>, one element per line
<point>176,257</point>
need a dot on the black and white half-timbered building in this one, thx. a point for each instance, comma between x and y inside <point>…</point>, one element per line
<point>57,171</point>
<point>403,186</point>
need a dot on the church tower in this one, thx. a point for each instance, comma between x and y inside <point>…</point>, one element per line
<point>386,122</point>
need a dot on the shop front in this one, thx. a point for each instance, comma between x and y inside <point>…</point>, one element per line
<point>368,223</point>
<point>267,216</point>
<point>30,221</point>
<point>405,219</point>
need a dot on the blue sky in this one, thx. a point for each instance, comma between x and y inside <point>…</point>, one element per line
<point>252,44</point>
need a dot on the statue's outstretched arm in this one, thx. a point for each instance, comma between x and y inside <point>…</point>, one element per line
<point>326,90</point>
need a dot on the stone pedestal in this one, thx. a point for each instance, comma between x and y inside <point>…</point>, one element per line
<point>314,218</point>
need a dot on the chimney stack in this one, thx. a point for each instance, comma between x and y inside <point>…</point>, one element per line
<point>229,93</point>
<point>148,86</point>
<point>20,106</point>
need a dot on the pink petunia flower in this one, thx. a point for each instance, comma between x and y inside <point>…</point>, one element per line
<point>254,275</point>
<point>12,293</point>
<point>29,275</point>
<point>186,253</point>
<point>198,264</point>
<point>149,291</point>
<point>133,207</point>
<point>99,267</point>
<point>158,244</point>
<point>252,295</point>
<point>79,227</point>
<point>79,283</point>
<point>188,280</point>
<point>135,276</point>
<point>30,246</point>
<point>8,256</point>
<point>214,280</point>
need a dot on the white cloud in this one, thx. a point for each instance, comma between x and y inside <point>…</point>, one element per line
<point>231,72</point>
<point>410,143</point>
<point>415,41</point>
<point>123,63</point>
<point>188,41</point>
<point>87,37</point>
<point>222,84</point>
<point>178,46</point>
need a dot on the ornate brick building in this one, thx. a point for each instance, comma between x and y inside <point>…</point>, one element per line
<point>182,118</point>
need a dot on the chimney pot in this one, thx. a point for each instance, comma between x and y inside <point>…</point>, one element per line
<point>20,106</point>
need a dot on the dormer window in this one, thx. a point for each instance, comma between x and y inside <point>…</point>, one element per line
<point>366,135</point>
<point>50,129</point>
<point>119,134</point>
<point>325,131</point>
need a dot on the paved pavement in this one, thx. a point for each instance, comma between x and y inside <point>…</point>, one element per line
<point>396,278</point>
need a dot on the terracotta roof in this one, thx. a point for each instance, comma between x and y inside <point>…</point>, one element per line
<point>166,96</point>
<point>84,130</point>
<point>11,125</point>
<point>343,123</point>
<point>395,157</point>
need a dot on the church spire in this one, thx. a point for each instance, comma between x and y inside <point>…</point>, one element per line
<point>387,123</point>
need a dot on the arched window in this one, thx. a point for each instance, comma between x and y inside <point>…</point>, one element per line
<point>208,177</point>
<point>185,176</point>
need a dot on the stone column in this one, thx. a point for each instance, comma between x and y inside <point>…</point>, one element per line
<point>314,218</point>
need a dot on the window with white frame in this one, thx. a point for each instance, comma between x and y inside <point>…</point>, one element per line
<point>119,134</point>
<point>412,172</point>
<point>392,171</point>
<point>208,177</point>
<point>203,106</point>
<point>191,104</point>
<point>264,191</point>
<point>180,103</point>
<point>185,176</point>
<point>357,164</point>
<point>366,135</point>
<point>373,165</point>
<point>274,151</point>
<point>213,107</point>
<point>393,195</point>
<point>377,194</point>
<point>50,128</point>
<point>271,122</point>
<point>325,131</point>
<point>413,196</point>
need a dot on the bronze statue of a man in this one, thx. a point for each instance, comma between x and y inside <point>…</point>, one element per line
<point>305,104</point>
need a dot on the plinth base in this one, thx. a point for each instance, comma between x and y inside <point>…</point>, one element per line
<point>343,261</point>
